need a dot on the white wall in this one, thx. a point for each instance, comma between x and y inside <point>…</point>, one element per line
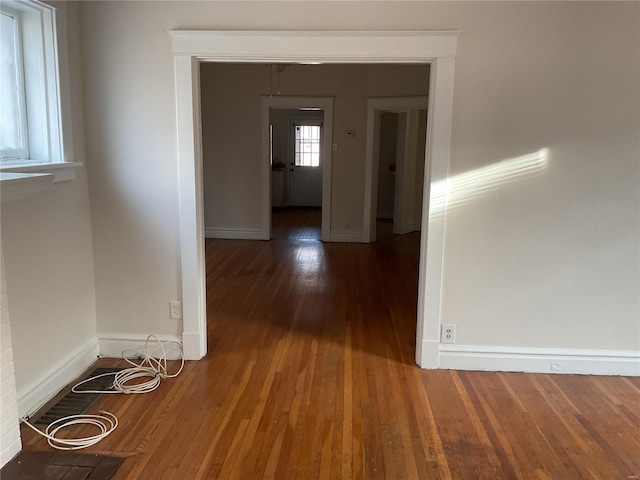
<point>548,260</point>
<point>48,261</point>
<point>131,149</point>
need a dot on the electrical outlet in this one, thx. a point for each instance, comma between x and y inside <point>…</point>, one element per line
<point>448,333</point>
<point>175,309</point>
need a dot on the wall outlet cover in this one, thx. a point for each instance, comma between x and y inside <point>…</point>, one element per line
<point>175,309</point>
<point>448,333</point>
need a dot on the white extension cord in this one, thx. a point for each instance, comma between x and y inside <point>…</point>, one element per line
<point>106,422</point>
<point>151,366</point>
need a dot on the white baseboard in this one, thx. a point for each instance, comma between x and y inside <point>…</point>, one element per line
<point>10,451</point>
<point>236,233</point>
<point>345,237</point>
<point>113,344</point>
<point>54,379</point>
<point>427,358</point>
<point>191,345</point>
<point>540,360</point>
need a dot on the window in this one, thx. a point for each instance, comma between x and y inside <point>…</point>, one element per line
<point>307,145</point>
<point>34,122</point>
<point>13,142</point>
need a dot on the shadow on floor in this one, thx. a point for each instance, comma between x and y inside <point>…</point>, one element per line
<point>29,465</point>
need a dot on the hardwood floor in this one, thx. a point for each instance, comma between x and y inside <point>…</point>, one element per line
<point>311,375</point>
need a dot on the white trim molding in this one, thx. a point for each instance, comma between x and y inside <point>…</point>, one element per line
<point>430,354</point>
<point>112,345</point>
<point>439,120</point>
<point>539,360</point>
<point>436,48</point>
<point>234,233</point>
<point>316,46</point>
<point>192,253</point>
<point>54,379</point>
<point>61,172</point>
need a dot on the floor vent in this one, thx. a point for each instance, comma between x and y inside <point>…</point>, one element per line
<point>75,403</point>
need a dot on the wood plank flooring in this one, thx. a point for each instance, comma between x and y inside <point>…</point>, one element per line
<point>311,375</point>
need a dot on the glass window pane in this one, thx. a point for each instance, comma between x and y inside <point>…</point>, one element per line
<point>307,146</point>
<point>9,87</point>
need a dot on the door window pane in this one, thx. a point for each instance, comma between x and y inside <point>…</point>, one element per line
<point>307,146</point>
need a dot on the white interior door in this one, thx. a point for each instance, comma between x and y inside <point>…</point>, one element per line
<point>305,163</point>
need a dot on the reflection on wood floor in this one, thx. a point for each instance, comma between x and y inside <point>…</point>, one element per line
<point>301,223</point>
<point>311,375</point>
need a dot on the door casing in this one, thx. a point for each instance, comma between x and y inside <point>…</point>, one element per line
<point>191,47</point>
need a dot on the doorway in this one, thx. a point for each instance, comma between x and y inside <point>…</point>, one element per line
<point>401,160</point>
<point>309,183</point>
<point>396,157</point>
<point>190,48</point>
<point>296,172</point>
<point>296,157</point>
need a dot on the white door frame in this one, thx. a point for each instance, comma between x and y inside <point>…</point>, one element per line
<point>375,108</point>
<point>297,103</point>
<point>190,47</point>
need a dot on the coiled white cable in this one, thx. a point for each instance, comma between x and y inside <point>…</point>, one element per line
<point>106,422</point>
<point>153,365</point>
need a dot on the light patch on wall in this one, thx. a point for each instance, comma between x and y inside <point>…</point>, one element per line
<point>460,189</point>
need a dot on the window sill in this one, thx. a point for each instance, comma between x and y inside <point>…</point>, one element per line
<point>20,186</point>
<point>61,172</point>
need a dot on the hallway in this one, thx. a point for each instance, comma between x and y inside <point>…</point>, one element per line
<point>320,335</point>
